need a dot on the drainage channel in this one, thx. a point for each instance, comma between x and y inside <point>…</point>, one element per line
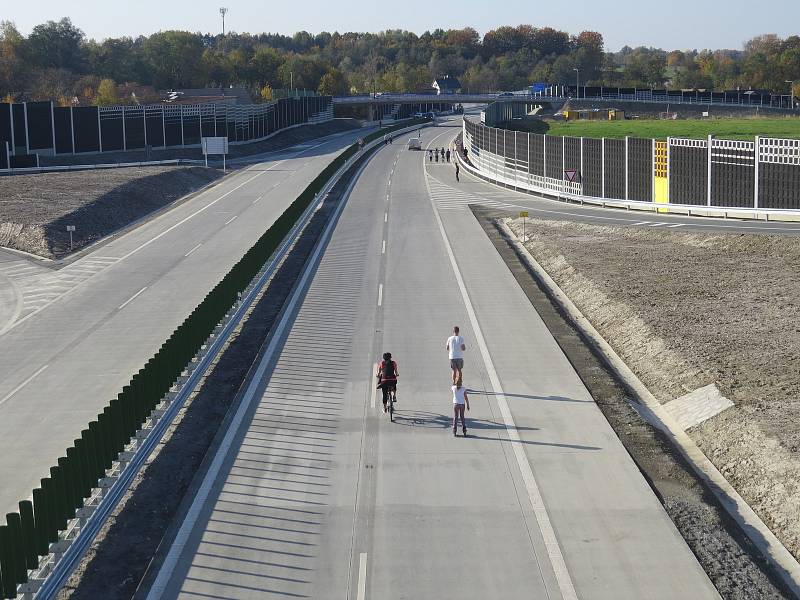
<point>733,564</point>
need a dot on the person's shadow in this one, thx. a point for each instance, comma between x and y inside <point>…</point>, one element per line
<point>478,429</point>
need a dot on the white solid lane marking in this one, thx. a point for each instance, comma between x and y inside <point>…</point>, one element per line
<point>676,225</point>
<point>193,249</point>
<point>194,214</point>
<point>642,223</point>
<point>22,385</point>
<point>383,248</point>
<point>132,298</point>
<point>657,224</point>
<point>231,220</point>
<point>362,576</point>
<point>557,561</point>
<point>380,294</point>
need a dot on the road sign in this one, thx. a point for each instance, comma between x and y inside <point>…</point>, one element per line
<point>571,175</point>
<point>215,145</point>
<point>70,228</point>
<point>523,213</point>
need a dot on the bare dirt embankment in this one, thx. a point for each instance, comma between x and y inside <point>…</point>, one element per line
<point>688,309</point>
<point>35,209</point>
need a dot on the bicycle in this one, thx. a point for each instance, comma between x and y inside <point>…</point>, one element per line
<point>390,400</point>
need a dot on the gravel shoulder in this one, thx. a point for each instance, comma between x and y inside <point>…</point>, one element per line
<point>685,310</point>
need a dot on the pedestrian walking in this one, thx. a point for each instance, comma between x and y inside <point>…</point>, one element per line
<point>455,347</point>
<point>460,402</point>
<point>430,155</point>
<point>448,156</point>
<point>457,179</point>
<point>437,155</point>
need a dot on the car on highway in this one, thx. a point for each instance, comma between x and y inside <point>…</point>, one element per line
<point>414,143</point>
<point>505,95</point>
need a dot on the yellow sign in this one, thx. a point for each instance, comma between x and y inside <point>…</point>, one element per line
<point>523,213</point>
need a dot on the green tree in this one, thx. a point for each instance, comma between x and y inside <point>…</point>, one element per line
<point>265,63</point>
<point>175,59</point>
<point>107,93</point>
<point>57,44</point>
<point>333,83</point>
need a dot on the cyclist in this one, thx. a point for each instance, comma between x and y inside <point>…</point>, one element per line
<point>387,377</point>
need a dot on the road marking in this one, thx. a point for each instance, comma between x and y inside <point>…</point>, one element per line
<point>257,199</point>
<point>132,298</point>
<point>563,578</point>
<point>22,385</point>
<point>386,217</point>
<point>383,248</point>
<point>231,220</point>
<point>181,539</point>
<point>656,224</point>
<point>193,249</point>
<point>676,225</point>
<point>194,214</point>
<point>642,223</point>
<point>362,576</point>
<point>380,294</point>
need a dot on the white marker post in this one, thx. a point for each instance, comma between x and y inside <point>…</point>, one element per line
<point>523,215</point>
<point>70,228</point>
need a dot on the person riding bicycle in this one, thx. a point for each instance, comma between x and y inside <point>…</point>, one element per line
<point>387,376</point>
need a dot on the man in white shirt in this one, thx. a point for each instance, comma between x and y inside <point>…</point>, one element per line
<point>455,347</point>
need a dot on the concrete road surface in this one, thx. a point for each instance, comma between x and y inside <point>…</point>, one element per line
<point>75,336</point>
<point>317,495</point>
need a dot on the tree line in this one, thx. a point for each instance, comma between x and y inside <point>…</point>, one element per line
<point>57,62</point>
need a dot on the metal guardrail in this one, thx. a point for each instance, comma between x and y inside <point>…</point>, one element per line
<point>55,568</point>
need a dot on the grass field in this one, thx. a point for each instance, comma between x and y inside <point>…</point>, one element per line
<point>734,129</point>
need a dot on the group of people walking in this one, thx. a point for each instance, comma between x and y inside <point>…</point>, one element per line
<point>388,373</point>
<point>435,153</point>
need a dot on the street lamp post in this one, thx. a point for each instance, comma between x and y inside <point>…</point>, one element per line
<point>291,83</point>
<point>577,82</point>
<point>791,92</point>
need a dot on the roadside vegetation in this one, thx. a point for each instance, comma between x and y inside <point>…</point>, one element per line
<point>732,129</point>
<point>56,61</point>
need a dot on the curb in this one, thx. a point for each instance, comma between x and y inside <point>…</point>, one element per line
<point>773,550</point>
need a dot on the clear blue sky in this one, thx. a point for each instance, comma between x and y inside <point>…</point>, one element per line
<point>680,24</point>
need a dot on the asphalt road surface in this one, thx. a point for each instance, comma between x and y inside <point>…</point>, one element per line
<point>70,339</point>
<point>316,494</point>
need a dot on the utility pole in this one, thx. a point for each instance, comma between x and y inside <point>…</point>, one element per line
<point>577,82</point>
<point>223,11</point>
